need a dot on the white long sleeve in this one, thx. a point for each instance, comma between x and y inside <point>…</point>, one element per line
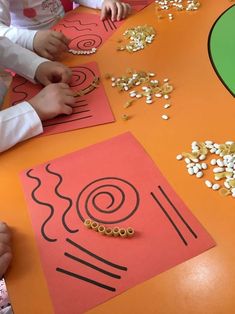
<point>21,60</point>
<point>20,36</point>
<point>94,4</point>
<point>20,20</point>
<point>21,121</point>
<point>18,123</point>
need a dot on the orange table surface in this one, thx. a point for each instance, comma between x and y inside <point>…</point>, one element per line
<point>201,109</point>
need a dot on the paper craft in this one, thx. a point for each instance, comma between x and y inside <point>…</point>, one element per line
<point>116,184</point>
<point>138,5</point>
<point>222,48</point>
<point>91,109</point>
<point>85,30</point>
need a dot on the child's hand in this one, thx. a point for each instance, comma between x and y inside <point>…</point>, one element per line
<point>116,9</point>
<point>5,248</point>
<point>53,100</point>
<point>50,44</point>
<point>52,72</point>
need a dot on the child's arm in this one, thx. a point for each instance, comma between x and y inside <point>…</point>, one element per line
<point>116,9</point>
<point>23,121</point>
<point>22,37</point>
<point>26,63</point>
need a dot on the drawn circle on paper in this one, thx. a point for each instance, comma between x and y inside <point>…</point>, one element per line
<point>82,78</point>
<point>86,42</point>
<point>108,200</point>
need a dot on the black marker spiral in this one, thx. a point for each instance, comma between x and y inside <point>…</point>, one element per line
<point>86,42</point>
<point>82,79</point>
<point>108,200</point>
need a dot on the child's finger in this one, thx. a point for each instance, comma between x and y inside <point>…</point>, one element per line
<point>58,44</point>
<point>5,260</point>
<point>126,9</point>
<point>3,227</point>
<point>113,11</point>
<point>70,100</point>
<point>119,11</point>
<point>66,76</point>
<point>60,36</point>
<point>67,110</point>
<point>104,13</point>
<point>46,54</point>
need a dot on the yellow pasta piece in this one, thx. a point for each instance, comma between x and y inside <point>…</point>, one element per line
<point>101,229</point>
<point>224,192</point>
<point>123,233</point>
<point>108,232</point>
<point>87,223</point>
<point>130,232</point>
<point>94,225</point>
<point>116,231</point>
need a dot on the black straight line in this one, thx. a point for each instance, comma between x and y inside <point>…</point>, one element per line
<point>96,256</point>
<point>105,25</point>
<point>82,261</point>
<point>93,282</point>
<point>80,100</point>
<point>177,211</point>
<point>78,112</point>
<point>45,126</point>
<point>210,53</point>
<point>169,218</point>
<point>78,106</point>
<point>110,24</point>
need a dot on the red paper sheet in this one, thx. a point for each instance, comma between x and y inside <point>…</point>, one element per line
<point>85,30</point>
<point>91,109</point>
<point>117,184</point>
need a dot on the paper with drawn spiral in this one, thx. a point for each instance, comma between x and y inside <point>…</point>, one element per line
<point>116,184</point>
<point>90,109</point>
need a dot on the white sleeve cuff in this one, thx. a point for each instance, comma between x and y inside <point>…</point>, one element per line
<point>17,124</point>
<point>20,36</point>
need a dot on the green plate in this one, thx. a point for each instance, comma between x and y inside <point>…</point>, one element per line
<point>221,46</point>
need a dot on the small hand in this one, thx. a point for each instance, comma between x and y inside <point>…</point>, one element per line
<point>50,44</point>
<point>116,9</point>
<point>52,72</point>
<point>53,100</point>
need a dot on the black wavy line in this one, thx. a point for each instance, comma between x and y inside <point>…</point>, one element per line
<point>101,270</point>
<point>99,284</point>
<point>78,21</point>
<point>41,203</point>
<point>96,256</point>
<point>63,197</point>
<point>79,30</point>
<point>67,121</point>
<point>20,92</point>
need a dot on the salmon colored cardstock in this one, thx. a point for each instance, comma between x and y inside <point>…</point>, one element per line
<point>116,184</point>
<point>85,30</point>
<point>91,109</point>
